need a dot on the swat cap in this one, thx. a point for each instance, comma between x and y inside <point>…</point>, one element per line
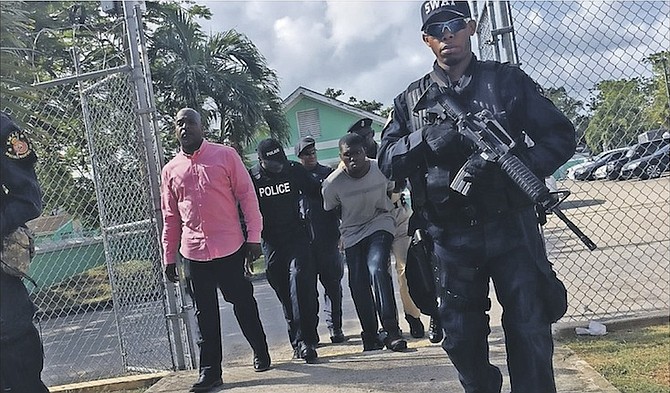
<point>362,127</point>
<point>303,144</point>
<point>270,149</point>
<point>430,9</point>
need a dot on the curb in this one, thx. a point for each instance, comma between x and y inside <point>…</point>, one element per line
<point>567,329</point>
<point>111,384</point>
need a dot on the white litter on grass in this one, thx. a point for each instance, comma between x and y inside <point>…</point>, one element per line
<point>594,329</point>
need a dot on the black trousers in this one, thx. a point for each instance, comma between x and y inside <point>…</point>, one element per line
<point>226,274</point>
<point>21,353</point>
<point>290,272</point>
<point>330,270</point>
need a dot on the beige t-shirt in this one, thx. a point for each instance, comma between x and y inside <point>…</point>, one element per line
<point>366,207</point>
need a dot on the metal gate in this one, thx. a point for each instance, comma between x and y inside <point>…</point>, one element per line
<point>555,43</point>
<point>104,308</point>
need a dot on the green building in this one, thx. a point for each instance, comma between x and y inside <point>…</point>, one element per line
<point>325,119</point>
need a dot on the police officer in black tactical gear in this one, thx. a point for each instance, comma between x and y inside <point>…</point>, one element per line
<point>21,353</point>
<point>325,243</point>
<point>493,232</point>
<point>281,186</point>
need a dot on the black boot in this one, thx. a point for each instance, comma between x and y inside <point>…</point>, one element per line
<point>435,333</point>
<point>307,352</point>
<point>208,380</point>
<point>416,328</point>
<point>336,336</point>
<point>395,342</point>
<point>371,342</point>
<point>261,361</point>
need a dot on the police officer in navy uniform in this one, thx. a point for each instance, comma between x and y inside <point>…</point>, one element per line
<point>281,186</point>
<point>493,232</point>
<point>21,353</point>
<point>325,243</point>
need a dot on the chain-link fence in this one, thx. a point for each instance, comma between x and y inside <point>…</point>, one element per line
<point>604,64</point>
<point>99,287</point>
<point>102,303</point>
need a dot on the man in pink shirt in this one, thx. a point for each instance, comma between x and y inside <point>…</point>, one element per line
<point>201,189</point>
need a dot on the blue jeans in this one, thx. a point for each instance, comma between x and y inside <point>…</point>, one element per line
<point>369,268</point>
<point>509,251</point>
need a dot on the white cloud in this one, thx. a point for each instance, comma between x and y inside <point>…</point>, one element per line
<point>373,49</point>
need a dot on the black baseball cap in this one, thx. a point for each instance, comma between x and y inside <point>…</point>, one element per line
<point>271,149</point>
<point>430,9</point>
<point>303,144</point>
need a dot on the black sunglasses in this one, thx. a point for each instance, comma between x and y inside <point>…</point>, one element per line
<point>453,26</point>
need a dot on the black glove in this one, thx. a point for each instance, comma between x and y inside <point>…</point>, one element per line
<point>171,272</point>
<point>439,137</point>
<point>476,167</point>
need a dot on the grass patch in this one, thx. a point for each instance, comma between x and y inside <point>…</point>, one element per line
<point>634,360</point>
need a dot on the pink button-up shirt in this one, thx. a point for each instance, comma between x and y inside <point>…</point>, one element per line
<point>199,198</point>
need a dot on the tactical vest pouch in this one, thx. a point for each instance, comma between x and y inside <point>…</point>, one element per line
<point>555,297</point>
<point>18,249</point>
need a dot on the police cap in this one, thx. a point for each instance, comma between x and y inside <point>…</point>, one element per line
<point>271,149</point>
<point>362,127</point>
<point>303,144</point>
<point>430,9</point>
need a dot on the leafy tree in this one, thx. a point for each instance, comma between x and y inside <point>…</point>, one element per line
<point>618,114</point>
<point>571,108</point>
<point>659,111</point>
<point>223,76</point>
<point>14,24</point>
<point>332,93</point>
<point>373,106</point>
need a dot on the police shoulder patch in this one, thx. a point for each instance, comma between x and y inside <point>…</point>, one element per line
<point>17,146</point>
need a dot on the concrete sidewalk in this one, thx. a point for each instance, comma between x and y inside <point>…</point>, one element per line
<point>344,368</point>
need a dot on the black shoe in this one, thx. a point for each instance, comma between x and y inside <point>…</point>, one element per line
<point>395,343</point>
<point>261,362</point>
<point>371,342</point>
<point>308,353</point>
<point>416,328</point>
<point>206,382</point>
<point>336,336</point>
<point>435,333</point>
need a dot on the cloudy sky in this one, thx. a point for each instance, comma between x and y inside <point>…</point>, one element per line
<point>372,49</point>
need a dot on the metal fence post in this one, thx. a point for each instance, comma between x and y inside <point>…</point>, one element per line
<point>143,91</point>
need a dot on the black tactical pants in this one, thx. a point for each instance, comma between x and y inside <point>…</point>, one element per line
<point>510,251</point>
<point>21,353</point>
<point>291,274</point>
<point>330,270</point>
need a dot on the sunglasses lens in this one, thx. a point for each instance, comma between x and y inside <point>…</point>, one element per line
<point>453,26</point>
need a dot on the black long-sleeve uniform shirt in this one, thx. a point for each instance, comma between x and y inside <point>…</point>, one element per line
<point>517,103</point>
<point>21,196</point>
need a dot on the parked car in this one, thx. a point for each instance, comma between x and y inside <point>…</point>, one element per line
<point>612,169</point>
<point>647,167</point>
<point>585,170</point>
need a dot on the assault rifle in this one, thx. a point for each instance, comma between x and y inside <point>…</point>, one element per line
<point>494,145</point>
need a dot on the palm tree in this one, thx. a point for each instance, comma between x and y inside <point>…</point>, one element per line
<point>14,25</point>
<point>223,76</point>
